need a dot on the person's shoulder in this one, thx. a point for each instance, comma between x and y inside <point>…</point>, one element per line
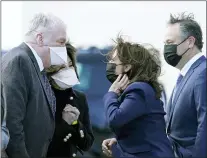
<point>81,98</point>
<point>15,55</point>
<point>143,89</point>
<point>79,94</point>
<point>143,86</point>
<point>200,70</point>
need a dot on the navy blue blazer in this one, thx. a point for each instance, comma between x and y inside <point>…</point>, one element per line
<point>200,148</point>
<point>137,119</point>
<point>186,116</point>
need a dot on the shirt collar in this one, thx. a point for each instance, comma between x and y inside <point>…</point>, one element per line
<point>39,60</point>
<point>187,66</point>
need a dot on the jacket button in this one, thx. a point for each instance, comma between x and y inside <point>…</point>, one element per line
<point>74,155</point>
<point>71,98</point>
<point>65,139</point>
<point>69,135</point>
<point>81,133</point>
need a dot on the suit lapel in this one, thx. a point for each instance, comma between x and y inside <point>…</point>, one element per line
<point>28,50</point>
<point>180,88</point>
<point>168,109</point>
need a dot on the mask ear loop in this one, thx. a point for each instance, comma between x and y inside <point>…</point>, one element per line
<point>181,43</point>
<point>185,51</point>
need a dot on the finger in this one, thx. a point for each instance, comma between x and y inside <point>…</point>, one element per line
<point>124,87</point>
<point>76,111</point>
<point>70,114</point>
<point>105,144</point>
<point>118,78</point>
<point>123,78</point>
<point>68,106</point>
<point>104,148</point>
<point>69,110</point>
<point>112,141</point>
<point>73,113</point>
<point>107,153</point>
<point>125,82</point>
<point>72,108</point>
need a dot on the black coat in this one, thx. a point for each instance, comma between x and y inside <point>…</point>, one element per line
<point>59,148</point>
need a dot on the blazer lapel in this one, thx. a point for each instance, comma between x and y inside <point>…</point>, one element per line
<point>186,77</point>
<point>169,109</point>
<point>180,88</point>
<point>38,72</point>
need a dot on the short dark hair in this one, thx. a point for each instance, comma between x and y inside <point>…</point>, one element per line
<point>188,27</point>
<point>72,52</point>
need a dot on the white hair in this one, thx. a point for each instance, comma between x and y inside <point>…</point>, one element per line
<point>43,23</point>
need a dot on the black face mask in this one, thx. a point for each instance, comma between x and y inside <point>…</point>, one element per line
<point>110,72</point>
<point>170,53</point>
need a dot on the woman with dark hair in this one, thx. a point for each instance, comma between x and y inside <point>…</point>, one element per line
<point>133,107</point>
<point>73,131</point>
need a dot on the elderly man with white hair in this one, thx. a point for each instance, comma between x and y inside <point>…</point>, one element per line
<point>27,94</point>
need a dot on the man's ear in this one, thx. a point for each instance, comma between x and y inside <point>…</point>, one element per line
<point>191,41</point>
<point>127,67</point>
<point>39,39</point>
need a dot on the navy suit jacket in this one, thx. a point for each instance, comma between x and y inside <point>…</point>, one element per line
<point>186,116</point>
<point>137,119</point>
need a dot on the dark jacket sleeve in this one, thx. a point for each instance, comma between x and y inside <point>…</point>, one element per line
<point>120,113</point>
<point>200,100</point>
<point>63,129</point>
<point>86,142</point>
<point>14,89</point>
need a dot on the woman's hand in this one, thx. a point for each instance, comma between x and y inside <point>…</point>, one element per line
<point>106,146</point>
<point>120,84</point>
<point>70,114</point>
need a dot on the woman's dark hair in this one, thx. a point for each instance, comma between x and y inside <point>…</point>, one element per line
<point>71,51</point>
<point>145,63</point>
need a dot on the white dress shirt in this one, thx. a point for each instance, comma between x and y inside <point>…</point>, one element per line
<point>185,69</point>
<point>187,66</point>
<point>39,60</point>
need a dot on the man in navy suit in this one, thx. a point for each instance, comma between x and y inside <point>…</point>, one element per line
<point>186,110</point>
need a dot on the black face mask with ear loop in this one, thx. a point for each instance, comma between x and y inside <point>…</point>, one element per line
<point>111,72</point>
<point>170,53</point>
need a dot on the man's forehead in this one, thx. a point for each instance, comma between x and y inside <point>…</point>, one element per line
<point>60,34</point>
<point>172,32</point>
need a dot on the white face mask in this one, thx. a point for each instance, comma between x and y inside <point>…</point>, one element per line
<point>58,55</point>
<point>66,78</point>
